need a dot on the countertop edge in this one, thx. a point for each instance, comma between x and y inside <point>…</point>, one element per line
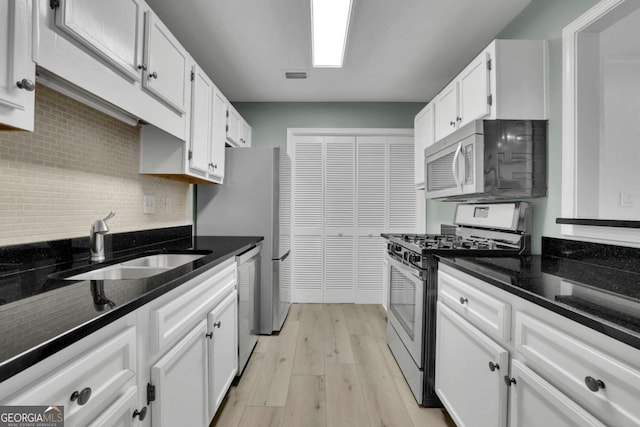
<point>599,325</point>
<point>25,360</point>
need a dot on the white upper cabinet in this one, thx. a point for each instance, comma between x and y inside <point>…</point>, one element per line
<point>219,135</point>
<point>507,80</point>
<point>112,30</point>
<point>17,73</point>
<point>234,126</point>
<point>201,120</point>
<point>245,139</point>
<point>424,131</point>
<point>473,85</point>
<point>446,110</point>
<point>166,63</point>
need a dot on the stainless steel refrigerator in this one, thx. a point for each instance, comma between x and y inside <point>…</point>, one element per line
<point>255,200</point>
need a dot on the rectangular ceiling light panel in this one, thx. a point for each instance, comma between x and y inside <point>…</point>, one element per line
<point>329,29</point>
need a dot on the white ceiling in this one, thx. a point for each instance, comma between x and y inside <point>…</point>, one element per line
<point>397,50</point>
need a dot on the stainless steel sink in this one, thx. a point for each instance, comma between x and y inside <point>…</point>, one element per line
<point>162,260</point>
<point>119,272</point>
<point>138,268</point>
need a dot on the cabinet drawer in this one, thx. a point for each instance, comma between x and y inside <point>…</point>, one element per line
<point>120,413</point>
<point>105,370</point>
<point>486,312</point>
<point>568,362</point>
<point>174,319</point>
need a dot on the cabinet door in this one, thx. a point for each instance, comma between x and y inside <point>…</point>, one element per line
<point>246,134</point>
<point>120,413</point>
<point>401,208</point>
<point>474,90</point>
<point>16,103</point>
<point>167,64</point>
<point>201,118</point>
<point>112,30</point>
<point>474,395</point>
<point>338,269</point>
<point>180,378</point>
<point>219,135</point>
<point>223,349</point>
<point>234,126</point>
<point>424,136</point>
<point>371,184</point>
<point>446,111</point>
<point>535,402</point>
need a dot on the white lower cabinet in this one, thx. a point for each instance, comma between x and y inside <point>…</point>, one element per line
<point>469,372</point>
<point>562,373</point>
<point>535,402</point>
<point>86,380</point>
<point>223,349</point>
<point>180,381</point>
<point>169,363</point>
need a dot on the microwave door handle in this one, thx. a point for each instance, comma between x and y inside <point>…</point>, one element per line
<point>454,166</point>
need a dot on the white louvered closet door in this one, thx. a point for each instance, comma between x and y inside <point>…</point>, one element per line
<point>308,223</point>
<point>339,207</point>
<point>369,254</point>
<point>371,178</point>
<point>402,198</point>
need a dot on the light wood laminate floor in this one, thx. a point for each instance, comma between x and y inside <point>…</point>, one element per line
<point>329,366</point>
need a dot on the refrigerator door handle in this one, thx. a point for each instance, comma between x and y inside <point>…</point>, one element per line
<point>283,257</point>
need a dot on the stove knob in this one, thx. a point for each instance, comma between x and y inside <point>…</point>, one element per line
<point>397,248</point>
<point>416,259</point>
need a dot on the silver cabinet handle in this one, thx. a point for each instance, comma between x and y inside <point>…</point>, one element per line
<point>142,67</point>
<point>593,384</point>
<point>153,75</point>
<point>26,84</point>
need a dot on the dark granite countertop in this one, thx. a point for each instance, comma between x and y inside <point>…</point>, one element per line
<point>603,298</point>
<point>40,313</point>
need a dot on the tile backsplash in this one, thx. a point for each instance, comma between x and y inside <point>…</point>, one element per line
<point>76,166</point>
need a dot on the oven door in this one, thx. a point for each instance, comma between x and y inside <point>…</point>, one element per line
<point>406,307</point>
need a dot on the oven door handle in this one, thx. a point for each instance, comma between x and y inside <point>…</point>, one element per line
<point>403,268</point>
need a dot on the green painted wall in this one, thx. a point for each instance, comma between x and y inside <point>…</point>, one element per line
<point>542,19</point>
<point>269,120</point>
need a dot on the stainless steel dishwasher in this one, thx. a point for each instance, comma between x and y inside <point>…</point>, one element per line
<point>248,303</point>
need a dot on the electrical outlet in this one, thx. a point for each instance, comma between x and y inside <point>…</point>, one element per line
<point>626,200</point>
<point>167,204</point>
<point>148,204</point>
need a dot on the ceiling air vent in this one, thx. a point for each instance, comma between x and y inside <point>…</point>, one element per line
<point>295,74</point>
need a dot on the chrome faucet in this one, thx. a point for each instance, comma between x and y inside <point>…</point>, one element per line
<point>96,237</point>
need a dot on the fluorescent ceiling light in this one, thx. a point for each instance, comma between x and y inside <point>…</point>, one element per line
<point>329,28</point>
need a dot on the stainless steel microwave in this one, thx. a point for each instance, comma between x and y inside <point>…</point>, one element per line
<point>489,160</point>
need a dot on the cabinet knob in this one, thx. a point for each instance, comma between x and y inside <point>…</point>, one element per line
<point>141,414</point>
<point>493,366</point>
<point>153,75</point>
<point>463,300</point>
<point>452,123</point>
<point>214,166</point>
<point>593,384</point>
<point>142,67</point>
<point>508,380</point>
<point>217,324</point>
<point>209,335</point>
<point>458,119</point>
<point>26,84</point>
<point>81,396</point>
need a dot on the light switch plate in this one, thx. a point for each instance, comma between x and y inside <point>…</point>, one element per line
<point>148,204</point>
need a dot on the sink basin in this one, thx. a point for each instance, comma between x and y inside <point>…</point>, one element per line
<point>162,260</point>
<point>119,272</point>
<point>138,268</point>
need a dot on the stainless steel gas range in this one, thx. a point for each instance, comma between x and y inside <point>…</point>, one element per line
<point>482,230</point>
